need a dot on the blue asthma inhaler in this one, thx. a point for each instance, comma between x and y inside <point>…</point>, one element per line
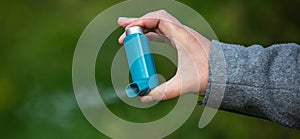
<point>140,61</point>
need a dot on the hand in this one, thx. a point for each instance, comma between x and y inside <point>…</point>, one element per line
<point>192,50</point>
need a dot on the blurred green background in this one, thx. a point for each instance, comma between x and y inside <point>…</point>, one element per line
<point>37,42</point>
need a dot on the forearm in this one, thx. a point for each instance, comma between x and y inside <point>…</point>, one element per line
<point>263,82</point>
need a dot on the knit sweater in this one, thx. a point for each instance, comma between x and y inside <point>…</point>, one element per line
<point>258,81</point>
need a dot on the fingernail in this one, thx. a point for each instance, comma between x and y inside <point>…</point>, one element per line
<point>147,99</point>
<point>122,18</point>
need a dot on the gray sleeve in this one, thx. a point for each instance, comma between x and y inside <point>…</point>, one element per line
<point>263,82</point>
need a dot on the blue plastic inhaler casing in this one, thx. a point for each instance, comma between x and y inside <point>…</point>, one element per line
<point>140,61</point>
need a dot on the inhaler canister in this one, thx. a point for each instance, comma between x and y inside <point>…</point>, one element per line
<point>140,62</point>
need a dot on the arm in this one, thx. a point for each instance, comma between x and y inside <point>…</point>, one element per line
<point>263,82</point>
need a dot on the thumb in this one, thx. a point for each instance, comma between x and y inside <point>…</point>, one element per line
<point>165,91</point>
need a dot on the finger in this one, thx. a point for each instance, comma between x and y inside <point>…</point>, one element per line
<point>148,23</point>
<point>158,38</point>
<point>152,19</point>
<point>130,22</point>
<point>121,38</point>
<point>149,26</point>
<point>124,21</point>
<point>160,26</point>
<point>165,91</point>
<point>161,14</point>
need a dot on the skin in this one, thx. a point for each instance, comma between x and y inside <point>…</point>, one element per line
<point>192,51</point>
